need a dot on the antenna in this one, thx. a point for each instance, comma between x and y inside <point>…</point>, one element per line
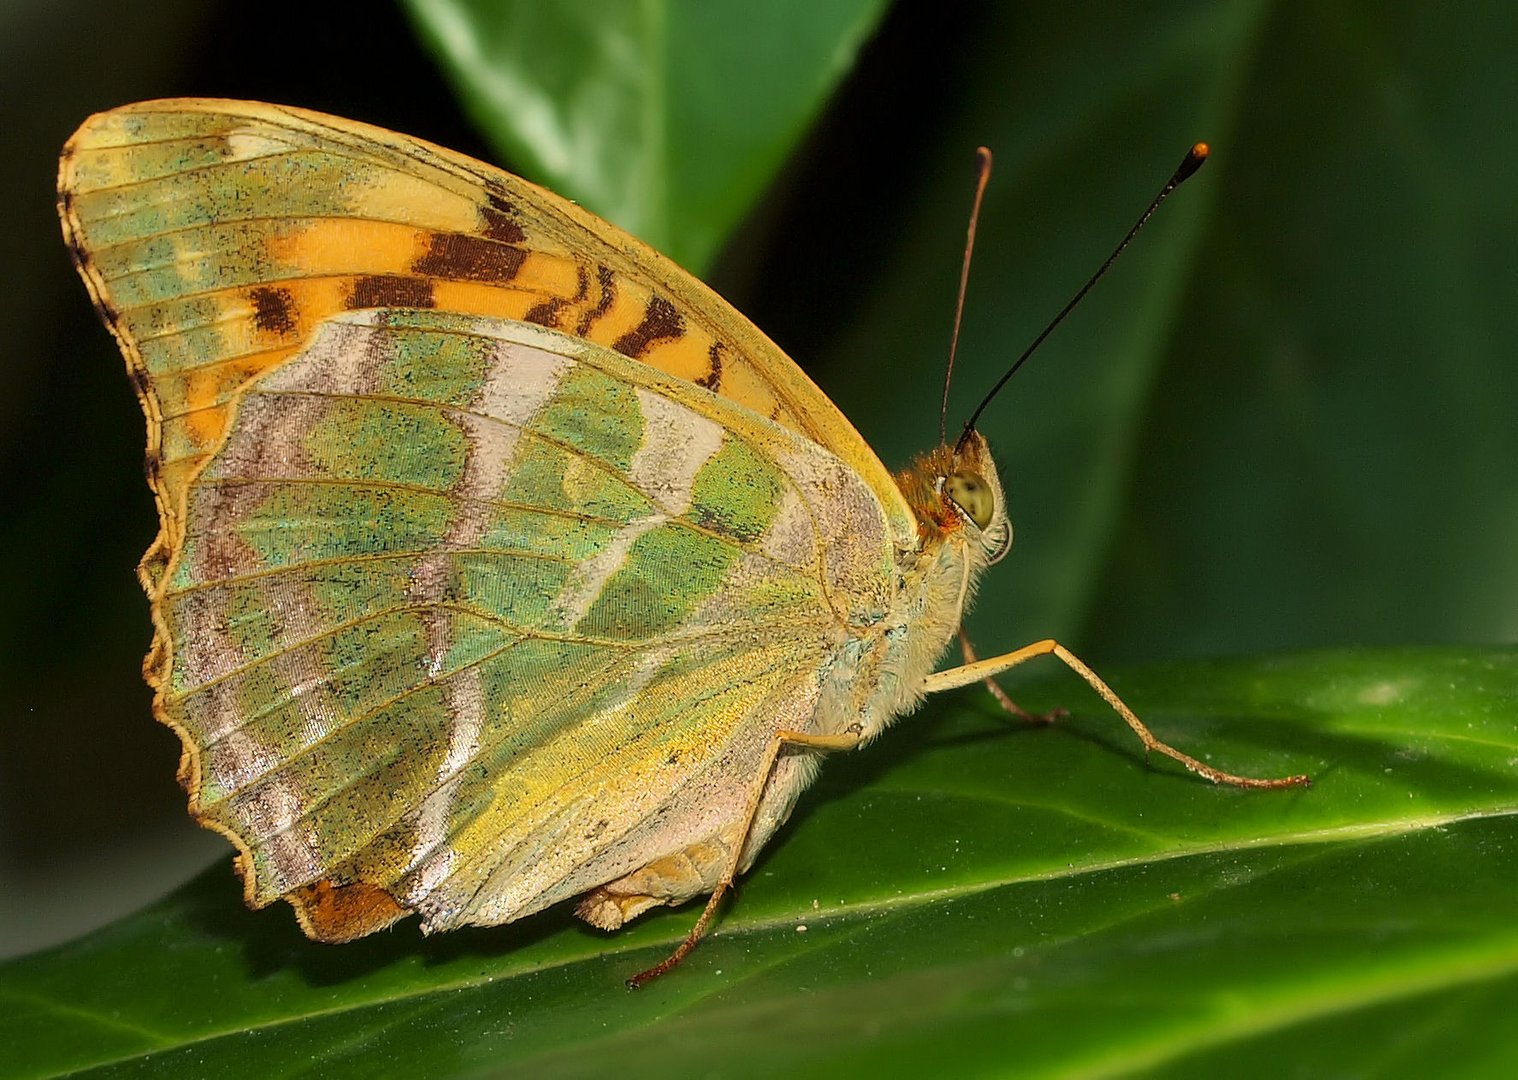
<point>982,175</point>
<point>1188,166</point>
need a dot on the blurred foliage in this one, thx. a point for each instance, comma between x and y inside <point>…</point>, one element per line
<point>665,118</point>
<point>1285,420</point>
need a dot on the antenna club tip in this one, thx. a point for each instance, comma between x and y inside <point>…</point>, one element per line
<point>1190,163</point>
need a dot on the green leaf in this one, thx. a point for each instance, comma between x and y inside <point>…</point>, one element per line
<point>967,896</point>
<point>667,117</point>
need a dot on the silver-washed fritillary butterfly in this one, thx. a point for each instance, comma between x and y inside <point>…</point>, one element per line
<point>501,561</point>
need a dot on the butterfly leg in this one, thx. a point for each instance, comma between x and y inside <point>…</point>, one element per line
<point>979,670</point>
<point>1001,696</point>
<point>847,740</point>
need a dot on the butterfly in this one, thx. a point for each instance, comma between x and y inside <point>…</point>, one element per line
<point>501,561</point>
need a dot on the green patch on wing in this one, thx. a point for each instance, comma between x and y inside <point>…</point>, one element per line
<point>547,475</point>
<point>736,493</point>
<point>388,442</point>
<point>297,523</point>
<point>176,336</point>
<point>667,573</point>
<point>517,590</point>
<point>596,415</point>
<point>448,369</point>
<point>568,538</point>
<point>273,185</point>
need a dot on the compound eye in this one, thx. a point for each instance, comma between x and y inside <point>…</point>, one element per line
<point>971,494</point>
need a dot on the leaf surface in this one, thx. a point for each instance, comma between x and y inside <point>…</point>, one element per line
<point>967,892</point>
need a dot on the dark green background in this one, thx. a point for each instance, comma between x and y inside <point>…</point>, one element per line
<point>1289,419</point>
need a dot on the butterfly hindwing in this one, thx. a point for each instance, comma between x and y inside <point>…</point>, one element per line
<point>482,615</point>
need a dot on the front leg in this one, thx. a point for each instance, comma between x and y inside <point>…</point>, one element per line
<point>1002,697</point>
<point>981,670</point>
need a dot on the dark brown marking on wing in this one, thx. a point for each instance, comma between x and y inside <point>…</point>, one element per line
<point>139,380</point>
<point>81,257</point>
<point>66,213</point>
<point>83,262</point>
<point>546,313</point>
<point>713,377</point>
<point>390,290</point>
<point>661,322</point>
<point>500,200</point>
<point>273,309</point>
<point>608,296</point>
<point>500,219</point>
<point>152,465</point>
<point>458,257</point>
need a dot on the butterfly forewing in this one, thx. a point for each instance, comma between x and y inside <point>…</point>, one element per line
<point>216,235</point>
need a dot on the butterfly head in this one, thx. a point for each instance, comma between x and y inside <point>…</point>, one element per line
<point>956,492</point>
<point>963,491</point>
